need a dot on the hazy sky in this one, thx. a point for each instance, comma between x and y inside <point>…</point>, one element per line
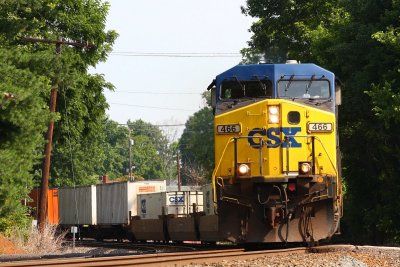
<point>166,89</point>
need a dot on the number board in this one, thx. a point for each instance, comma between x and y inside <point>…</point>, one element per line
<point>228,129</point>
<point>320,127</point>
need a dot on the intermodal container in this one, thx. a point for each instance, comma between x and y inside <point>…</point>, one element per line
<point>177,203</point>
<point>52,204</point>
<point>117,201</point>
<point>77,205</point>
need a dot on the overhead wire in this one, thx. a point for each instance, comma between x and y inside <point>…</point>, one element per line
<point>152,107</point>
<point>156,93</point>
<point>176,54</point>
<point>71,159</point>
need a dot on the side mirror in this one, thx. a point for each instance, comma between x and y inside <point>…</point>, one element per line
<point>213,97</point>
<point>338,92</point>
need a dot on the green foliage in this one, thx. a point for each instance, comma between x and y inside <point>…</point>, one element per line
<point>81,104</point>
<point>116,149</point>
<point>359,41</point>
<point>152,153</point>
<point>23,119</point>
<point>197,147</point>
<point>280,32</point>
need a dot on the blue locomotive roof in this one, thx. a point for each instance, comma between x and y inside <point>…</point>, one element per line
<point>273,72</point>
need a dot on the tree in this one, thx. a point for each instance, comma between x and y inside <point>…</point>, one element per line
<point>152,152</point>
<point>281,31</point>
<point>81,104</point>
<point>23,117</point>
<point>116,150</point>
<point>197,147</point>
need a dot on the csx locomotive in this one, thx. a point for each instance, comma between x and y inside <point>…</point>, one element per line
<point>277,161</point>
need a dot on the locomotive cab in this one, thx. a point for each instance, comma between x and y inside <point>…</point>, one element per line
<point>276,176</point>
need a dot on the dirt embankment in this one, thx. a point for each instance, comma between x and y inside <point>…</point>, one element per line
<point>7,247</point>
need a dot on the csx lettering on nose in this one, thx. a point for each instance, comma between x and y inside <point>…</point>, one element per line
<point>273,135</point>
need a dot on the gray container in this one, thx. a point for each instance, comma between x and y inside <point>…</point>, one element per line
<point>116,201</point>
<point>77,206</point>
<point>177,203</point>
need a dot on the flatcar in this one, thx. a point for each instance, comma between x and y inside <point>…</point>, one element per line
<point>277,160</point>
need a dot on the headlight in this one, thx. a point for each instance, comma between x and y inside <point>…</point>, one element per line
<point>243,169</point>
<point>273,114</point>
<point>304,168</point>
<point>273,110</point>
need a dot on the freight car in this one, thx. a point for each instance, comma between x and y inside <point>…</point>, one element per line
<point>277,160</point>
<point>103,210</point>
<point>139,211</point>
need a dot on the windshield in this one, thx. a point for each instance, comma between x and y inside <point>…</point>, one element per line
<point>304,89</point>
<point>235,89</point>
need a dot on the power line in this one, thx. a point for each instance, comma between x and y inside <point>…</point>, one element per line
<point>152,107</point>
<point>169,125</point>
<point>151,125</point>
<point>176,55</point>
<point>156,93</point>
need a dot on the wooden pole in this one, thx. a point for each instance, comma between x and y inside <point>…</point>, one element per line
<point>44,188</point>
<point>178,166</point>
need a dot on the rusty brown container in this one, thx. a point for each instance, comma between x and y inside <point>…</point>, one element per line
<point>52,204</point>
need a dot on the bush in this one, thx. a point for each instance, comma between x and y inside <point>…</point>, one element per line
<point>34,241</point>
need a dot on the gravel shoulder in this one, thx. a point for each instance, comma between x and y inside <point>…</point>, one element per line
<point>344,256</point>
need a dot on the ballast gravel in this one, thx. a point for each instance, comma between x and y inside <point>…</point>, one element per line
<point>345,257</point>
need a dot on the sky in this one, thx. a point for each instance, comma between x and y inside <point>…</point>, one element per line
<point>161,61</point>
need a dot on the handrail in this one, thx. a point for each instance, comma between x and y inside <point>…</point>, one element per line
<point>216,169</point>
<point>326,152</point>
<point>231,139</point>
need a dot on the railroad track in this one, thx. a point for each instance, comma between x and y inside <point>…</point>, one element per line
<point>164,259</point>
<point>141,248</point>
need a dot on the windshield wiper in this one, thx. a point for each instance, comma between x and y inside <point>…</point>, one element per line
<point>309,84</point>
<point>263,87</point>
<point>289,83</point>
<point>241,85</point>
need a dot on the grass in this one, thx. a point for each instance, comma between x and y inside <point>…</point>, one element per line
<point>33,241</point>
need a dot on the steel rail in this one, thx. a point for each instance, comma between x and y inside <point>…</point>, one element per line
<point>165,259</point>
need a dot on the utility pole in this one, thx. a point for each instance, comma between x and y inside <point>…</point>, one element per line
<point>178,166</point>
<point>130,154</point>
<point>53,100</point>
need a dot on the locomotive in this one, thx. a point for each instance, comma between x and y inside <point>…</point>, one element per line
<point>277,171</point>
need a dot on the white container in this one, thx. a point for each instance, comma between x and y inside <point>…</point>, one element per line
<point>116,201</point>
<point>178,203</point>
<point>77,206</point>
<point>208,199</point>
